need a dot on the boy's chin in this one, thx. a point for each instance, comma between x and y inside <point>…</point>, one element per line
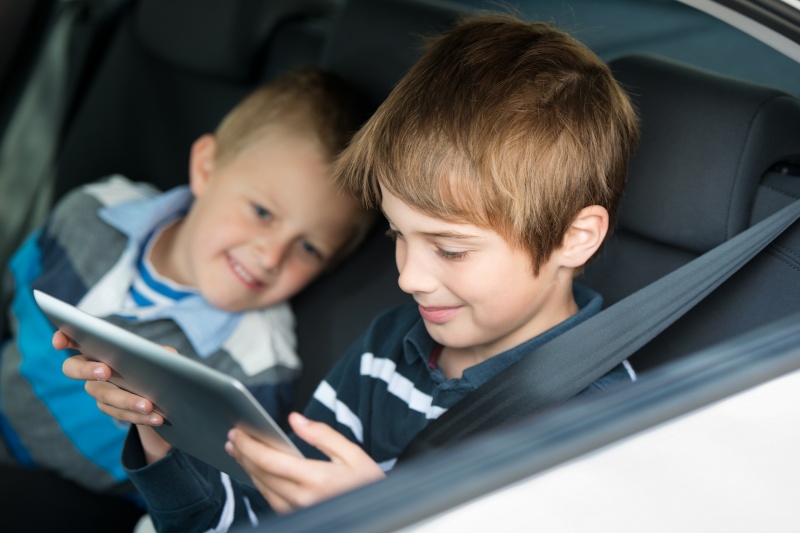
<point>443,337</point>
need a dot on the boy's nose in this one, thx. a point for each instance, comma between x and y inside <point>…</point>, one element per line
<point>414,277</point>
<point>272,253</point>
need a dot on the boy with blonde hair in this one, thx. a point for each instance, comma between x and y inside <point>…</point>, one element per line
<point>499,161</point>
<point>205,268</point>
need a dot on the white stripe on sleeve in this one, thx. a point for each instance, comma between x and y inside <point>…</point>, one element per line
<point>326,395</point>
<point>226,518</point>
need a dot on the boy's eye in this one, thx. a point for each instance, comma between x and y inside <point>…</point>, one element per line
<point>262,212</point>
<point>393,234</point>
<point>451,256</point>
<point>310,249</point>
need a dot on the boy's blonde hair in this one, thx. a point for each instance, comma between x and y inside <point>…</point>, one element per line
<point>504,124</point>
<point>308,103</point>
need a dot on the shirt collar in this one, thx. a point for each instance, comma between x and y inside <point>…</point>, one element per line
<point>138,218</point>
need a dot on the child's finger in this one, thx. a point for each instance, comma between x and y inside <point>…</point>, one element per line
<point>255,456</point>
<point>80,368</point>
<point>277,502</point>
<point>333,444</point>
<point>61,341</point>
<point>123,405</point>
<point>281,478</point>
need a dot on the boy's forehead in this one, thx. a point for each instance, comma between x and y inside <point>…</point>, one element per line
<point>400,212</point>
<point>447,204</point>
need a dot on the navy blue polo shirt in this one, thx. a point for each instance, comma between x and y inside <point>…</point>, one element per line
<point>384,391</point>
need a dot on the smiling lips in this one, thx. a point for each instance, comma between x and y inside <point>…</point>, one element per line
<point>244,276</point>
<point>438,315</point>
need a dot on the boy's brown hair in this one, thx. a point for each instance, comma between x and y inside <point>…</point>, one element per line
<point>505,124</point>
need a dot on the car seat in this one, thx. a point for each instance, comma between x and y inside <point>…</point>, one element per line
<point>694,184</point>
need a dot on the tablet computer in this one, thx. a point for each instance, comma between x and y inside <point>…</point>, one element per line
<point>199,404</point>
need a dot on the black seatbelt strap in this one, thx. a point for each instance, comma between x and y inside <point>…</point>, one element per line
<point>560,369</point>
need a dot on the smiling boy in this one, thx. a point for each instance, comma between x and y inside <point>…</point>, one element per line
<point>499,160</point>
<point>205,268</point>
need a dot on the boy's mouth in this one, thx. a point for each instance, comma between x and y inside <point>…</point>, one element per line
<point>244,275</point>
<point>438,315</point>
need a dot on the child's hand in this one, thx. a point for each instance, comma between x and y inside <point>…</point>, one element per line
<point>289,482</point>
<point>112,400</point>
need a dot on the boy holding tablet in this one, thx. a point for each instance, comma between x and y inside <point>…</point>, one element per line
<point>499,160</point>
<point>205,268</point>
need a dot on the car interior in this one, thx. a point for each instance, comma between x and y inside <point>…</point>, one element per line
<point>144,78</point>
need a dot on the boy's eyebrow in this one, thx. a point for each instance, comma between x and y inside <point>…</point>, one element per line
<point>448,235</point>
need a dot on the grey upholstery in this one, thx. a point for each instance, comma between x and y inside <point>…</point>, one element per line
<point>374,43</point>
<point>694,184</point>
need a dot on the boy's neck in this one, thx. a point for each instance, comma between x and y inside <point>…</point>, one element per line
<point>163,252</point>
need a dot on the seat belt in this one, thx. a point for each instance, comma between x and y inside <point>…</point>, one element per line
<point>563,367</point>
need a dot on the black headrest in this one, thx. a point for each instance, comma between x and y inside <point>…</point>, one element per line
<point>222,39</point>
<point>375,42</point>
<point>706,142</point>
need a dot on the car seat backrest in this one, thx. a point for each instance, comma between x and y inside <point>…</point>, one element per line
<point>171,70</point>
<point>374,43</point>
<point>694,184</point>
<point>178,32</point>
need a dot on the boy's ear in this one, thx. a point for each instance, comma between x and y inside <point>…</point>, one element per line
<point>584,236</point>
<point>201,163</point>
